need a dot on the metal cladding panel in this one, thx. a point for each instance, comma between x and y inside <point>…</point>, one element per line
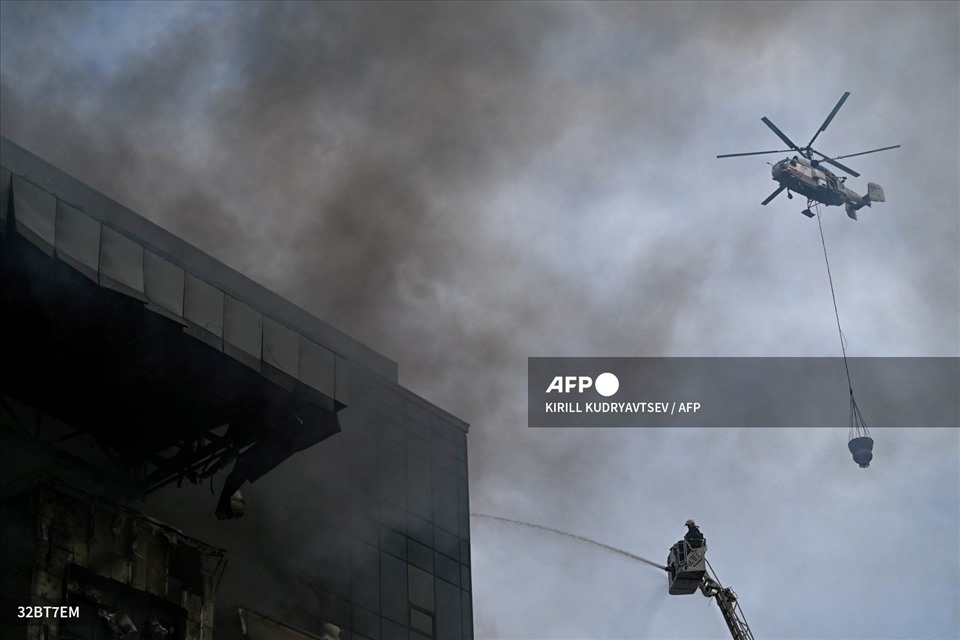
<point>78,240</point>
<point>25,172</point>
<point>342,380</point>
<point>4,195</point>
<point>121,263</point>
<point>36,214</point>
<point>163,285</point>
<point>317,367</point>
<point>203,308</point>
<point>242,332</point>
<point>281,347</point>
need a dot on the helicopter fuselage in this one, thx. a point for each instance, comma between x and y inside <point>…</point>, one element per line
<point>799,175</point>
<point>807,176</point>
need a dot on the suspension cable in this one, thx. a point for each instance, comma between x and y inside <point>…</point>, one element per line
<point>857,426</point>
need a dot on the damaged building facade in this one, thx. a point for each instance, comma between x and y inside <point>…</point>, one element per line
<point>91,569</point>
<point>201,455</point>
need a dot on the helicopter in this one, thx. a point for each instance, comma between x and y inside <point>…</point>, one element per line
<point>806,175</point>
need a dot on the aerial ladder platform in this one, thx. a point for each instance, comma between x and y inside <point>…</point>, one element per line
<point>688,571</point>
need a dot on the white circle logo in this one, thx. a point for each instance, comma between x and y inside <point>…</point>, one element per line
<point>607,384</point>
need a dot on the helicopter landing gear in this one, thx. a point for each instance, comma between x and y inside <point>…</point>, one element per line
<point>807,211</point>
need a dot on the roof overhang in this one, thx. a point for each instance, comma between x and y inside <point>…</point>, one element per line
<point>170,362</point>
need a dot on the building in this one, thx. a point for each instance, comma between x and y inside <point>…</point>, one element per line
<point>142,372</point>
<point>97,570</point>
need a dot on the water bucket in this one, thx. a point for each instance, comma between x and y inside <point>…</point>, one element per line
<point>862,450</point>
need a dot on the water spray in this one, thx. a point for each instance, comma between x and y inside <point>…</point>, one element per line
<point>688,573</point>
<point>569,535</point>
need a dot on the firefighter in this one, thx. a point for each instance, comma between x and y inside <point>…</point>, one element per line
<point>693,536</point>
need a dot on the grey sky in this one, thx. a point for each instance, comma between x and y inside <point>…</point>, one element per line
<point>462,186</point>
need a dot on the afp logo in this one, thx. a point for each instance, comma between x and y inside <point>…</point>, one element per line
<point>606,384</point>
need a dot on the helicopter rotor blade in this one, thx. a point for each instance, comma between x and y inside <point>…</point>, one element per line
<point>752,153</point>
<point>773,195</point>
<point>833,162</point>
<point>826,122</point>
<point>863,153</point>
<point>779,133</point>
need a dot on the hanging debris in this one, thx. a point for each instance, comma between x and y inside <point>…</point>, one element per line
<point>859,441</point>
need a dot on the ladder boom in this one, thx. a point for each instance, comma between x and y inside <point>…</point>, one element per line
<point>729,608</point>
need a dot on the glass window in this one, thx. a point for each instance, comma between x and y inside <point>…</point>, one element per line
<point>445,543</point>
<point>419,555</point>
<point>421,589</point>
<point>445,499</point>
<point>393,631</point>
<point>393,542</point>
<point>449,619</point>
<point>465,552</point>
<point>366,623</point>
<point>366,576</point>
<point>467,614</point>
<point>420,530</point>
<point>463,508</point>
<point>393,588</point>
<point>421,621</point>
<point>447,569</point>
<point>465,577</point>
<point>418,486</point>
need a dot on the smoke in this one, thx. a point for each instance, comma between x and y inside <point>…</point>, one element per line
<point>462,186</point>
<point>363,161</point>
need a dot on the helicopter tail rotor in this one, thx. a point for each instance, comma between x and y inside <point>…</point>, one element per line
<point>874,194</point>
